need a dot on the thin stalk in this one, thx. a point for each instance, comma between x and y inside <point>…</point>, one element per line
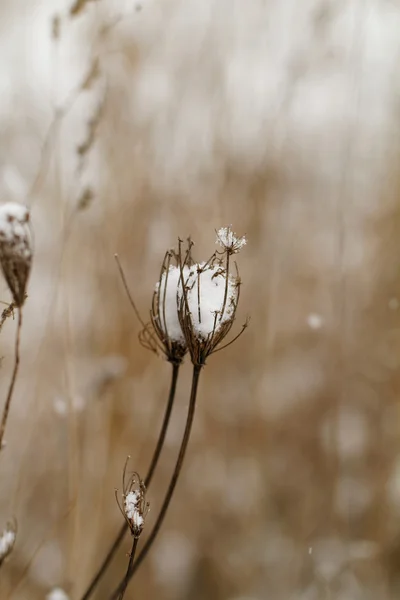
<point>172,485</point>
<point>164,427</point>
<point>6,409</point>
<point>226,285</point>
<point>153,464</point>
<point>130,563</point>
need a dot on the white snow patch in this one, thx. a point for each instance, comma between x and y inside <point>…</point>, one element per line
<point>168,290</point>
<point>206,287</point>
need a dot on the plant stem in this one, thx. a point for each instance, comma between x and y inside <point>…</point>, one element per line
<point>164,427</point>
<point>153,464</point>
<point>172,485</point>
<point>13,378</point>
<point>130,563</point>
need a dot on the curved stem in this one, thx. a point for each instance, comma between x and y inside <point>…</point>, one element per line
<point>172,485</point>
<point>164,427</point>
<point>130,563</point>
<point>6,409</point>
<point>153,464</point>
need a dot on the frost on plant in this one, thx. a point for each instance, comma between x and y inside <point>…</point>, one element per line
<point>134,507</point>
<point>229,240</point>
<point>15,248</point>
<point>7,541</point>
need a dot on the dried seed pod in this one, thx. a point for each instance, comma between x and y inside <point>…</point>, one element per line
<point>208,299</point>
<point>164,309</point>
<point>134,507</point>
<point>15,248</point>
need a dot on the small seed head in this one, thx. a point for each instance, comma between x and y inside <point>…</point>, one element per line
<point>15,248</point>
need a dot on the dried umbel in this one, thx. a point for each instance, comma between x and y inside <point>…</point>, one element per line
<point>164,310</point>
<point>229,241</point>
<point>15,248</point>
<point>208,299</point>
<point>7,541</point>
<point>162,335</point>
<point>134,507</point>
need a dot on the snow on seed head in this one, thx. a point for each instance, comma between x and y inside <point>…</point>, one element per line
<point>167,290</point>
<point>211,298</point>
<point>229,240</point>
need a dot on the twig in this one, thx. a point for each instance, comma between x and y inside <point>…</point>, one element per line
<point>130,563</point>
<point>13,379</point>
<point>127,290</point>
<point>153,464</point>
<point>172,485</point>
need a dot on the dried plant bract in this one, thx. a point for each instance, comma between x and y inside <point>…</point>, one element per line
<point>134,507</point>
<point>15,248</point>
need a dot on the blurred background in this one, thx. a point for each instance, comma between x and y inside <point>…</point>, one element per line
<point>125,124</point>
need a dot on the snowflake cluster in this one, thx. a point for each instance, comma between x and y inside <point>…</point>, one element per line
<point>229,240</point>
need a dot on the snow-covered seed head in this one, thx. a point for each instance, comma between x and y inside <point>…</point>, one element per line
<point>134,506</point>
<point>164,308</point>
<point>131,503</point>
<point>7,541</point>
<point>229,241</point>
<point>208,299</point>
<point>15,248</point>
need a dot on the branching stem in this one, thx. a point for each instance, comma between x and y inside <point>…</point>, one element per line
<point>171,488</point>
<point>13,378</point>
<point>130,564</point>
<point>153,464</point>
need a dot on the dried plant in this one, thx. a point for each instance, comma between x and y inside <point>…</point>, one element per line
<point>134,509</point>
<point>15,249</point>
<point>7,312</point>
<point>15,259</point>
<point>155,337</point>
<point>207,297</point>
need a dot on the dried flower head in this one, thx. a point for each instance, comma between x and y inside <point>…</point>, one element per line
<point>7,540</point>
<point>164,310</point>
<point>134,507</point>
<point>229,240</point>
<point>15,248</point>
<point>163,334</point>
<point>208,299</point>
